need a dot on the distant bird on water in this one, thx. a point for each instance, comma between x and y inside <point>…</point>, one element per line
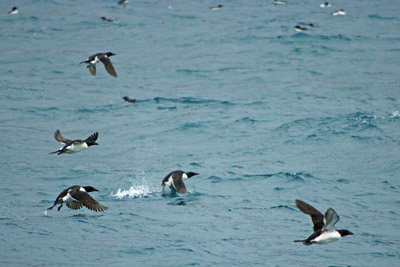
<point>216,7</point>
<point>107,19</point>
<point>74,146</point>
<point>13,11</point>
<point>339,12</point>
<point>122,2</point>
<point>326,4</point>
<point>129,100</point>
<point>300,29</point>
<point>75,197</point>
<point>104,58</point>
<point>280,2</point>
<point>175,180</point>
<point>323,233</point>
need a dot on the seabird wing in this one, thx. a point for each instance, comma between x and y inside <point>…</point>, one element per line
<point>92,69</point>
<point>179,185</point>
<point>74,205</point>
<point>109,67</point>
<point>93,137</point>
<point>60,138</point>
<point>316,216</point>
<point>88,201</point>
<point>331,218</point>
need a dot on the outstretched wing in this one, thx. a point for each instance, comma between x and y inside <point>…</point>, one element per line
<point>178,184</point>
<point>109,67</point>
<point>92,69</point>
<point>316,216</point>
<point>74,205</point>
<point>92,138</point>
<point>60,138</point>
<point>88,201</point>
<point>331,218</point>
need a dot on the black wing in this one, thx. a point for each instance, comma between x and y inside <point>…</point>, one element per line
<point>109,67</point>
<point>88,201</point>
<point>60,138</point>
<point>93,137</point>
<point>92,69</point>
<point>316,216</point>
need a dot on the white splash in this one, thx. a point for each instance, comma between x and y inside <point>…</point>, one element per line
<point>395,114</point>
<point>45,213</point>
<point>138,189</point>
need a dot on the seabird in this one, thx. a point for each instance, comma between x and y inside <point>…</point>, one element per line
<point>13,11</point>
<point>300,29</point>
<point>104,58</point>
<point>326,4</point>
<point>76,197</point>
<point>122,2</point>
<point>216,7</point>
<point>340,12</point>
<point>129,100</point>
<point>74,146</point>
<point>175,180</point>
<point>323,233</point>
<point>107,19</point>
<point>280,2</point>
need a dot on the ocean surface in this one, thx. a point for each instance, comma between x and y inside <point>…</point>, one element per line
<point>263,113</point>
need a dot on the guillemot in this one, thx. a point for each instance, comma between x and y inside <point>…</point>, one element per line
<point>13,11</point>
<point>104,58</point>
<point>76,197</point>
<point>175,180</point>
<point>74,146</point>
<point>340,12</point>
<point>216,7</point>
<point>300,29</point>
<point>129,100</point>
<point>326,4</point>
<point>280,2</point>
<point>323,233</point>
<point>122,2</point>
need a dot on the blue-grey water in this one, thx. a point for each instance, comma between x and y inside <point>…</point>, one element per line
<point>265,114</point>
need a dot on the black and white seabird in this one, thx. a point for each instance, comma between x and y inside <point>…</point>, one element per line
<point>107,19</point>
<point>340,12</point>
<point>129,100</point>
<point>326,4</point>
<point>78,196</point>
<point>122,2</point>
<point>104,58</point>
<point>175,180</point>
<point>323,233</point>
<point>280,2</point>
<point>300,29</point>
<point>216,7</point>
<point>13,11</point>
<point>74,146</point>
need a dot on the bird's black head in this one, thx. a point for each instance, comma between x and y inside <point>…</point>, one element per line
<point>190,174</point>
<point>92,143</point>
<point>344,232</point>
<point>109,54</point>
<point>90,189</point>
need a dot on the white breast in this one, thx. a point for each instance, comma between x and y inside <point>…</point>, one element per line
<point>169,182</point>
<point>75,148</point>
<point>327,237</point>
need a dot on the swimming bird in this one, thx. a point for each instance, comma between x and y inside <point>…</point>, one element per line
<point>74,146</point>
<point>122,2</point>
<point>326,4</point>
<point>13,11</point>
<point>280,2</point>
<point>323,233</point>
<point>340,12</point>
<point>76,197</point>
<point>129,100</point>
<point>216,7</point>
<point>104,58</point>
<point>300,29</point>
<point>175,180</point>
<point>107,19</point>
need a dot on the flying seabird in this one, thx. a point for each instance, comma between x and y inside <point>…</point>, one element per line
<point>175,180</point>
<point>74,146</point>
<point>104,58</point>
<point>323,233</point>
<point>76,197</point>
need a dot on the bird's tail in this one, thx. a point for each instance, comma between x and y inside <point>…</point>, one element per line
<point>52,206</point>
<point>298,240</point>
<point>58,151</point>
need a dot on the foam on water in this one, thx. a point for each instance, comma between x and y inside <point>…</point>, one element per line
<point>137,190</point>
